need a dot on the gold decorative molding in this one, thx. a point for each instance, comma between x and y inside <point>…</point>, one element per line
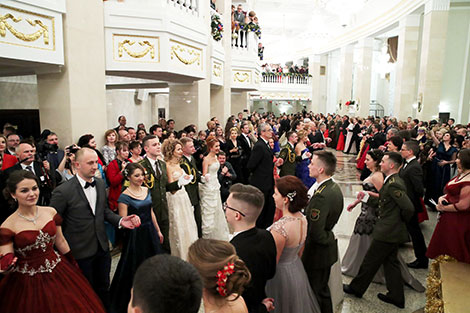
<point>46,29</point>
<point>217,69</point>
<point>241,77</point>
<point>150,48</point>
<point>186,54</point>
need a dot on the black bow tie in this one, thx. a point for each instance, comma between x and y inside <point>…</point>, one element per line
<point>92,184</point>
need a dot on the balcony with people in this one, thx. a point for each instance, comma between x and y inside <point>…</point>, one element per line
<point>293,78</point>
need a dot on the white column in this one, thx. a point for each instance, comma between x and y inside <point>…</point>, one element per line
<point>436,14</point>
<point>345,76</point>
<point>314,70</point>
<point>363,75</point>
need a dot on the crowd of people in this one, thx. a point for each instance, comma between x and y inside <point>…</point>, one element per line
<point>246,210</point>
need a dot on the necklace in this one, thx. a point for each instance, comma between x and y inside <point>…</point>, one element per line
<point>135,195</point>
<point>32,220</point>
<point>460,178</point>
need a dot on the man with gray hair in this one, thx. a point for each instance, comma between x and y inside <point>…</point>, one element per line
<point>261,166</point>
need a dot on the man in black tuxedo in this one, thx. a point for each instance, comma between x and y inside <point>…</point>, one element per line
<point>261,166</point>
<point>244,141</point>
<point>83,206</point>
<point>25,153</point>
<point>188,164</point>
<point>377,138</point>
<point>412,174</point>
<point>255,246</point>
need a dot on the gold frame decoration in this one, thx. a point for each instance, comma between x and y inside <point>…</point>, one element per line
<point>178,49</point>
<point>217,69</point>
<point>244,78</point>
<point>44,31</point>
<point>150,48</point>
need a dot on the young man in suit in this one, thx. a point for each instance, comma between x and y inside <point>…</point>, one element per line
<point>323,211</point>
<point>156,179</point>
<point>188,163</point>
<point>255,246</point>
<point>261,166</point>
<point>245,143</point>
<point>83,206</point>
<point>412,174</point>
<point>394,209</point>
<point>25,153</point>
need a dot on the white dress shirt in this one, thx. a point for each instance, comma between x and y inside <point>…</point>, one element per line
<point>24,167</point>
<point>247,139</point>
<point>315,186</point>
<point>90,194</point>
<point>408,161</point>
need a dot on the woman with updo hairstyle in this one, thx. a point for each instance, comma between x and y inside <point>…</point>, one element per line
<point>290,286</point>
<point>139,243</point>
<point>217,260</point>
<point>234,151</point>
<point>214,225</point>
<point>361,238</point>
<point>301,170</point>
<point>183,228</point>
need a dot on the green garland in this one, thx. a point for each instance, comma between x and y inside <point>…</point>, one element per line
<point>251,27</point>
<point>217,28</point>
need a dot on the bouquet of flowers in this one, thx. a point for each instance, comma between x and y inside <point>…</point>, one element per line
<point>217,27</point>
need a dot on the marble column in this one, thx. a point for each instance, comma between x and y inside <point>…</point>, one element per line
<point>364,75</point>
<point>435,21</point>
<point>314,63</point>
<point>240,102</point>
<point>345,84</point>
<point>407,62</point>
<point>190,104</point>
<point>73,102</point>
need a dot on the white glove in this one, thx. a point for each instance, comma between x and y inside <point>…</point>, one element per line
<point>183,181</point>
<point>205,178</point>
<point>306,155</point>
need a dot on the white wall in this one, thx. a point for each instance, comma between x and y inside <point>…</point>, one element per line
<point>19,93</point>
<point>332,72</point>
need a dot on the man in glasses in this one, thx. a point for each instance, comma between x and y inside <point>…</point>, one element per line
<point>255,246</point>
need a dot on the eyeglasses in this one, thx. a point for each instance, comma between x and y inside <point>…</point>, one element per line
<point>225,206</point>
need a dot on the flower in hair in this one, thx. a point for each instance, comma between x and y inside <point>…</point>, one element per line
<point>222,277</point>
<point>125,172</point>
<point>291,195</point>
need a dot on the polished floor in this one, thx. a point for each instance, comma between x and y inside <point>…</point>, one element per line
<point>348,178</point>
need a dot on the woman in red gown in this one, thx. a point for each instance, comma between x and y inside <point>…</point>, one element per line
<point>38,278</point>
<point>452,233</point>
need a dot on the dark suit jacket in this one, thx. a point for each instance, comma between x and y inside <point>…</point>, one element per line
<point>394,210</point>
<point>158,185</point>
<point>377,140</point>
<point>317,137</point>
<point>412,176</point>
<point>84,231</point>
<point>246,149</point>
<point>323,211</point>
<point>261,166</point>
<point>256,247</point>
<point>192,189</point>
<point>46,182</point>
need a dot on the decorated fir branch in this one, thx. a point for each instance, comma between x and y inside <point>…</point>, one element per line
<point>251,27</point>
<point>217,27</point>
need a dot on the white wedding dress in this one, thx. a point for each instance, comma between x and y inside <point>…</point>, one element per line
<point>183,229</point>
<point>214,224</point>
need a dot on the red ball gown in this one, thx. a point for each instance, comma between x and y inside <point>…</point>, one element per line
<point>43,281</point>
<point>452,233</point>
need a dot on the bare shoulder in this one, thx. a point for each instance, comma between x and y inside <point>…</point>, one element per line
<point>238,305</point>
<point>48,210</point>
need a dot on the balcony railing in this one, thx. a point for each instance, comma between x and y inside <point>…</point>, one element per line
<point>290,78</point>
<point>190,6</point>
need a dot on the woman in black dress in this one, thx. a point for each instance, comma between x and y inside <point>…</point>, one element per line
<point>233,151</point>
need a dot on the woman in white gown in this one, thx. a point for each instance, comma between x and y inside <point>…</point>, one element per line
<point>214,224</point>
<point>183,229</point>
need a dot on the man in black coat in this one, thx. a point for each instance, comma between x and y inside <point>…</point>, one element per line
<point>412,174</point>
<point>261,166</point>
<point>244,141</point>
<point>255,246</point>
<point>83,206</point>
<point>377,138</point>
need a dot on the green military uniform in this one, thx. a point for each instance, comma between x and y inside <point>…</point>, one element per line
<point>158,184</point>
<point>394,209</point>
<point>290,160</point>
<point>321,248</point>
<point>192,189</point>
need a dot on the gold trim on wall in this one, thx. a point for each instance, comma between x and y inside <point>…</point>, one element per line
<point>179,48</point>
<point>217,69</point>
<point>141,39</point>
<point>241,77</point>
<point>42,32</point>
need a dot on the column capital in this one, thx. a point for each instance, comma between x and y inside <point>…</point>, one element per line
<point>436,5</point>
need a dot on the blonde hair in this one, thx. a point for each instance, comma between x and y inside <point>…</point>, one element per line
<point>302,134</point>
<point>168,147</point>
<point>210,256</point>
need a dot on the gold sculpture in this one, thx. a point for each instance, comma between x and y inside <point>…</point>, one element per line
<point>150,48</point>
<point>4,25</point>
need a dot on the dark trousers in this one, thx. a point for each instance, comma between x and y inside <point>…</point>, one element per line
<point>266,218</point>
<point>417,238</point>
<point>318,279</point>
<point>96,269</point>
<point>197,217</point>
<point>381,253</point>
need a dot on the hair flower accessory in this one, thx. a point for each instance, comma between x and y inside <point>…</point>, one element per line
<point>222,277</point>
<point>291,195</point>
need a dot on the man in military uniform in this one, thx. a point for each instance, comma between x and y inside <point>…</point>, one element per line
<point>323,211</point>
<point>156,179</point>
<point>288,155</point>
<point>188,164</point>
<point>394,209</point>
